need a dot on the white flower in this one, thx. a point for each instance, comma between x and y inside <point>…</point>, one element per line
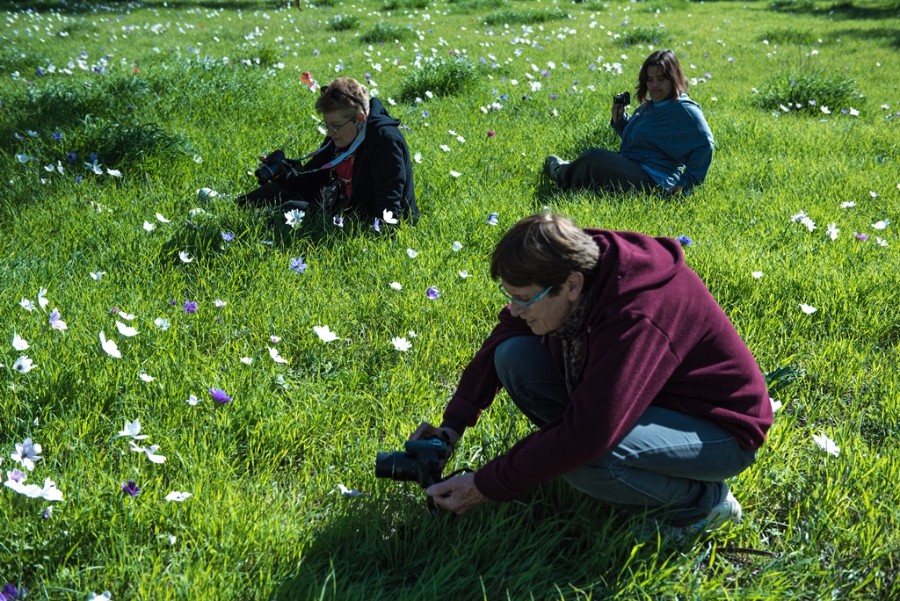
<point>274,339</point>
<point>880,225</point>
<point>149,226</point>
<point>396,285</point>
<point>27,453</point>
<point>388,217</point>
<point>348,492</point>
<point>756,274</point>
<point>132,430</point>
<point>881,241</point>
<point>324,333</point>
<point>826,444</point>
<point>125,316</point>
<point>48,492</point>
<point>206,193</point>
<point>23,364</point>
<point>776,405</point>
<point>162,324</point>
<point>161,219</point>
<point>808,309</point>
<point>192,400</point>
<point>456,246</point>
<point>848,205</point>
<point>150,452</point>
<point>401,344</point>
<point>96,275</point>
<point>809,223</point>
<point>246,360</point>
<point>42,298</point>
<point>19,343</point>
<point>27,304</point>
<point>219,303</point>
<point>185,257</point>
<point>126,330</point>
<point>104,596</point>
<point>417,157</point>
<point>276,357</point>
<point>177,496</point>
<point>412,254</point>
<point>145,377</point>
<point>464,274</point>
<point>294,218</point>
<point>832,231</point>
<point>110,347</point>
<point>114,172</point>
<point>444,147</point>
<point>455,173</point>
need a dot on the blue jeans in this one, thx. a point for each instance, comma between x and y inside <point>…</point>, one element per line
<point>670,462</point>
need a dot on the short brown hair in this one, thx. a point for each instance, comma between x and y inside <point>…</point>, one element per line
<point>668,62</point>
<point>343,94</point>
<point>543,250</point>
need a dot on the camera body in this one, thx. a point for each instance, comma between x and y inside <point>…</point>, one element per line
<point>421,461</point>
<point>272,167</point>
<point>624,99</point>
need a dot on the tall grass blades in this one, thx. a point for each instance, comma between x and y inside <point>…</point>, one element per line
<point>443,77</point>
<point>809,92</point>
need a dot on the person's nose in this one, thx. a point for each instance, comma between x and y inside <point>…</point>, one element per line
<point>515,310</point>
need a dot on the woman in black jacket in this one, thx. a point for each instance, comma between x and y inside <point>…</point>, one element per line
<point>363,166</point>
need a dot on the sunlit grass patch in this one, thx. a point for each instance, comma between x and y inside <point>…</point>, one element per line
<point>644,35</point>
<point>789,36</point>
<point>472,5</point>
<point>442,77</point>
<point>383,33</point>
<point>527,17</point>
<point>810,92</point>
<point>405,4</point>
<point>343,22</point>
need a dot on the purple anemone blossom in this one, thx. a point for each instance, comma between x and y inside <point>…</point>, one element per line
<point>10,592</point>
<point>227,236</point>
<point>219,396</point>
<point>684,240</point>
<point>190,307</point>
<point>297,265</point>
<point>130,488</point>
<point>493,219</point>
<point>433,293</point>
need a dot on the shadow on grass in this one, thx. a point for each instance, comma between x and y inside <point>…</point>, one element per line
<point>859,10</point>
<point>392,548</point>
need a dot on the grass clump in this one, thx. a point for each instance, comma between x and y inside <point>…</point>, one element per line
<point>443,77</point>
<point>115,142</point>
<point>341,22</point>
<point>793,6</point>
<point>789,36</point>
<point>386,32</point>
<point>643,35</point>
<point>808,92</point>
<point>405,4</point>
<point>473,5</point>
<point>525,17</point>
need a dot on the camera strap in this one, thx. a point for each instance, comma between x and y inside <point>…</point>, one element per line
<point>360,138</point>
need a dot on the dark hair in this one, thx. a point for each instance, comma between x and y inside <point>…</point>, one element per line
<point>343,94</point>
<point>543,250</point>
<point>668,62</point>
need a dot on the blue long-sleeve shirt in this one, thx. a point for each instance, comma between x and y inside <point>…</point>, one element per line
<point>670,140</point>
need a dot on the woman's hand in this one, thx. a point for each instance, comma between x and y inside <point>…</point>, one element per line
<point>618,111</point>
<point>426,430</point>
<point>457,494</point>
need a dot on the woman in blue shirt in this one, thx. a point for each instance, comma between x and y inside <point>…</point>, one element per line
<point>666,143</point>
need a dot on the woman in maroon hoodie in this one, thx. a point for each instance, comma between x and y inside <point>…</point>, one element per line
<point>643,393</point>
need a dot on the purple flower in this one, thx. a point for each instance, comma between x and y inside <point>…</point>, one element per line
<point>493,219</point>
<point>56,135</point>
<point>684,240</point>
<point>553,96</point>
<point>72,157</point>
<point>860,236</point>
<point>227,236</point>
<point>78,179</point>
<point>190,307</point>
<point>297,265</point>
<point>316,52</point>
<point>219,396</point>
<point>11,593</point>
<point>425,113</point>
<point>338,221</point>
<point>432,293</point>
<point>130,488</point>
<point>376,225</point>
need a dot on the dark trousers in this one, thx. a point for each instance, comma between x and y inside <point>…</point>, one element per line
<point>605,170</point>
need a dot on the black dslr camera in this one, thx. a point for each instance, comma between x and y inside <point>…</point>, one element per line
<point>420,462</point>
<point>272,167</point>
<point>624,99</point>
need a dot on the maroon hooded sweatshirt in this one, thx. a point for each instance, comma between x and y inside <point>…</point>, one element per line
<point>654,335</point>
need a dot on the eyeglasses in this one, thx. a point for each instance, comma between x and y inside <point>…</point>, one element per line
<point>524,305</point>
<point>336,93</point>
<point>334,128</point>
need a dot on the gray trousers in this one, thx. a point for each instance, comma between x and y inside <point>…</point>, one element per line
<point>670,462</point>
<point>603,169</point>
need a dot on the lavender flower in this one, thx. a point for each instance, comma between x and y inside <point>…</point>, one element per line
<point>10,592</point>
<point>190,307</point>
<point>227,236</point>
<point>219,396</point>
<point>684,240</point>
<point>433,293</point>
<point>130,488</point>
<point>297,265</point>
<point>493,219</point>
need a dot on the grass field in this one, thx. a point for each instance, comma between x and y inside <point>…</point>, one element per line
<point>115,115</point>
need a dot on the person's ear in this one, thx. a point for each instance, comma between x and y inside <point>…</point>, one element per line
<point>574,285</point>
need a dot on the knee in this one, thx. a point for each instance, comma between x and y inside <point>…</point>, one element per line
<point>508,358</point>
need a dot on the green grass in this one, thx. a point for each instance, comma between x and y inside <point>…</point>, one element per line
<point>187,95</point>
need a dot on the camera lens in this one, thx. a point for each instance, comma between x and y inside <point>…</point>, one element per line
<point>396,466</point>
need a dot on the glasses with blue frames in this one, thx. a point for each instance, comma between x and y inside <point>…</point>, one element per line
<point>524,304</point>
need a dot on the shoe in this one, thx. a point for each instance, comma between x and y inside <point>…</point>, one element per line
<point>726,510</point>
<point>552,164</point>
